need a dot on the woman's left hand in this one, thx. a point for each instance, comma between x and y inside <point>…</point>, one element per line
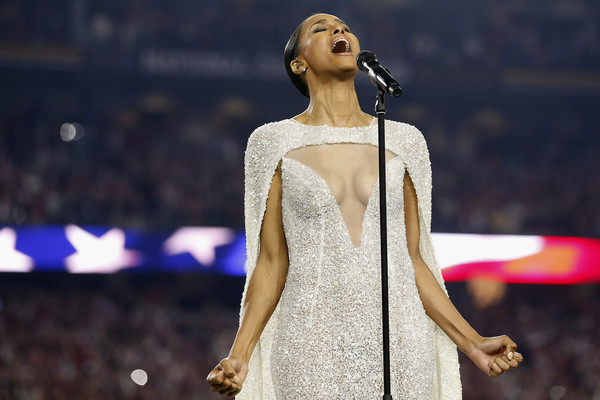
<point>495,355</point>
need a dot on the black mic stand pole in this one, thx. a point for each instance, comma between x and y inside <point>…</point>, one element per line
<point>380,110</point>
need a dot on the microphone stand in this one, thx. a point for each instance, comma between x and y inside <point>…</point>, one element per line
<point>380,110</point>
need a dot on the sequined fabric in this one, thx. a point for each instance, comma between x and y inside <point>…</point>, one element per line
<point>324,339</point>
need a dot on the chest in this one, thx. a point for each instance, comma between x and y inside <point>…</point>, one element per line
<point>350,170</point>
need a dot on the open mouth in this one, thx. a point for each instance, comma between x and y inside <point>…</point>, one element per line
<point>341,45</point>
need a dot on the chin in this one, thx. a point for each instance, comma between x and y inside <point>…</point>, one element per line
<point>349,66</point>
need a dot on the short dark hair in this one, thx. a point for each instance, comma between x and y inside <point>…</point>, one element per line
<point>292,48</point>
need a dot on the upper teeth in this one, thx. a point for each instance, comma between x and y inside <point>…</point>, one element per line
<point>338,40</point>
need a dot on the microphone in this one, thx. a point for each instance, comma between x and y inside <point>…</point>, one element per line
<point>379,75</point>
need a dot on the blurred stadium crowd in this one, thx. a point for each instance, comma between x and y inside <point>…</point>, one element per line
<point>82,337</point>
<point>169,152</point>
<point>83,340</point>
<point>161,163</point>
<point>557,33</point>
<point>165,151</point>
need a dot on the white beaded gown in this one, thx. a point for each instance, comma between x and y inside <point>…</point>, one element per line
<point>324,339</point>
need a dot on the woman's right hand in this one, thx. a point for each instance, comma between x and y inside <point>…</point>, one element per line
<point>228,376</point>
<point>264,290</point>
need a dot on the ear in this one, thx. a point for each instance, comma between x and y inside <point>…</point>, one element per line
<point>298,66</point>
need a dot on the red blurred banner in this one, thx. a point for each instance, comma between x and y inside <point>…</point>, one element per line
<point>519,259</point>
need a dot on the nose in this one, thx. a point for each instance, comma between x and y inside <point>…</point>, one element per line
<point>339,29</point>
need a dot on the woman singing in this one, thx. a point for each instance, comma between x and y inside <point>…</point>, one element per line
<point>310,323</point>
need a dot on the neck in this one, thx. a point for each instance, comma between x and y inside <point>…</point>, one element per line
<point>334,104</point>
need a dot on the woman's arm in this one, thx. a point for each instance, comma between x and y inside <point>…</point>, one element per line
<point>264,291</point>
<point>492,355</point>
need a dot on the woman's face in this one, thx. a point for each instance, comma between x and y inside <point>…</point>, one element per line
<point>327,46</point>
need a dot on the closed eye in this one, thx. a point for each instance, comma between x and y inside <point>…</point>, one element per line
<point>316,30</point>
<point>322,28</point>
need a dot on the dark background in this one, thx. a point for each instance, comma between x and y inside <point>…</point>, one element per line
<point>506,93</point>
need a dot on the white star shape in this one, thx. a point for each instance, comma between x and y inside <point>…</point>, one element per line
<point>12,260</point>
<point>104,254</point>
<point>199,242</point>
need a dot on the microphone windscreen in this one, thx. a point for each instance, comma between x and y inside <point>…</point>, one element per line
<point>363,57</point>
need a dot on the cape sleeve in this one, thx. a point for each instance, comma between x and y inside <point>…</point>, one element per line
<point>264,150</point>
<point>447,384</point>
<point>266,146</point>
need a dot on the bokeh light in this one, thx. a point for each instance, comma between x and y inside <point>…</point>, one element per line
<point>140,377</point>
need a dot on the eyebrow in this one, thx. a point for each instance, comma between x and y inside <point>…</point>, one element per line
<point>324,20</point>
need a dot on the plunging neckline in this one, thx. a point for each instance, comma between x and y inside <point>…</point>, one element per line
<point>331,196</point>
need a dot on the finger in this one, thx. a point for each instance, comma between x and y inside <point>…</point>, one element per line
<point>502,364</point>
<point>226,384</point>
<point>215,377</point>
<point>215,388</point>
<point>518,356</point>
<point>495,368</point>
<point>513,363</point>
<point>228,368</point>
<point>511,347</point>
<point>506,360</point>
<point>228,390</point>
